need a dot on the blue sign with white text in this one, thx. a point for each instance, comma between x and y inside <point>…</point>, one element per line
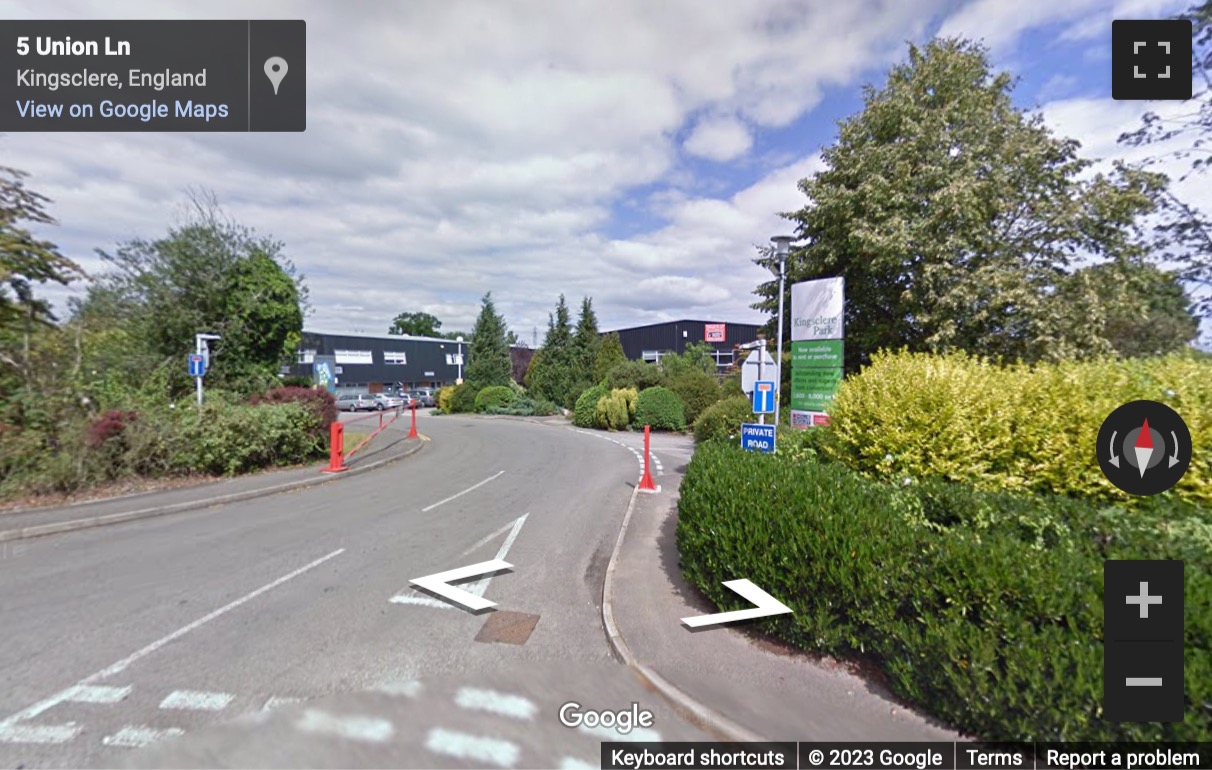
<point>763,397</point>
<point>197,365</point>
<point>759,437</point>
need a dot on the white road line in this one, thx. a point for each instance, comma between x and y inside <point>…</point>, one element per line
<point>278,701</point>
<point>424,601</point>
<point>136,737</point>
<point>473,747</point>
<point>480,586</point>
<point>122,665</point>
<point>367,729</point>
<point>407,689</point>
<point>497,702</point>
<point>460,494</point>
<point>39,733</point>
<point>96,694</point>
<point>572,763</point>
<point>637,734</point>
<point>485,541</point>
<point>194,700</point>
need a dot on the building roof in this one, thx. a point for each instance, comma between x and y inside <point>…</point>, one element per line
<point>679,321</point>
<point>392,337</point>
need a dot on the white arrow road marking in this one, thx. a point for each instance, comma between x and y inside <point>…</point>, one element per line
<point>460,494</point>
<point>440,583</point>
<point>473,747</point>
<point>480,586</point>
<point>765,605</point>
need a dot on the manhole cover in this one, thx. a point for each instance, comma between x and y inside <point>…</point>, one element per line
<point>508,627</point>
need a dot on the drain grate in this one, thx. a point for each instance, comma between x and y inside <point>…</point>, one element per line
<point>508,627</point>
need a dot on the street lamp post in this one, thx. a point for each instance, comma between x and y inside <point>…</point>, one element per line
<point>459,381</point>
<point>782,246</point>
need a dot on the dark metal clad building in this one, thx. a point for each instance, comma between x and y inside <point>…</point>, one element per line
<point>649,343</point>
<point>376,362</point>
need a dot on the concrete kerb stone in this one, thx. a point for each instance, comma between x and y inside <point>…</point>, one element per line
<point>59,527</point>
<point>699,713</point>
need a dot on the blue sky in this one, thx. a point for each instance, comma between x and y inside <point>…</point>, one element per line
<point>631,151</point>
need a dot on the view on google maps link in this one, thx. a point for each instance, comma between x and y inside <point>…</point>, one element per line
<point>777,384</point>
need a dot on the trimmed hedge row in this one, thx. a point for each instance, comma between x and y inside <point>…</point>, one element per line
<point>982,607</point>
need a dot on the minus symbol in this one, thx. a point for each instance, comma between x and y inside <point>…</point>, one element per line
<point>1144,681</point>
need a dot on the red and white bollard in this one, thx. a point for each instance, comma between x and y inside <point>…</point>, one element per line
<point>646,482</point>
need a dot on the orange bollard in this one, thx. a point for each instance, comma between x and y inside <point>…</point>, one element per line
<point>646,483</point>
<point>412,433</point>
<point>336,451</point>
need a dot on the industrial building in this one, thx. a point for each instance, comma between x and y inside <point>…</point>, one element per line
<point>649,343</point>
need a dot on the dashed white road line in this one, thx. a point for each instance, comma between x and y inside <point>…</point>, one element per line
<point>406,689</point>
<point>39,733</point>
<point>279,701</point>
<point>460,494</point>
<point>464,746</point>
<point>194,700</point>
<point>85,693</point>
<point>122,665</point>
<point>356,728</point>
<point>137,736</point>
<point>572,763</point>
<point>501,703</point>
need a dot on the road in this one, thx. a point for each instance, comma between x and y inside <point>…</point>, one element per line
<point>117,637</point>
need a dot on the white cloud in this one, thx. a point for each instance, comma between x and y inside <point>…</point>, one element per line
<point>719,139</point>
<point>1000,24</point>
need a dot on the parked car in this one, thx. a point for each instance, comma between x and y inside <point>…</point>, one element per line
<point>356,402</point>
<point>388,401</point>
<point>423,397</point>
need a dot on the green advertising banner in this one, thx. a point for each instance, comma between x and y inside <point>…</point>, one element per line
<point>817,353</point>
<point>812,388</point>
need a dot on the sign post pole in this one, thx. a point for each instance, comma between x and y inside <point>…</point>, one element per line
<point>761,360</point>
<point>198,350</point>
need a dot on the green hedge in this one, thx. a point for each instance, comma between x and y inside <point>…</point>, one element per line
<point>983,608</point>
<point>584,412</point>
<point>722,421</point>
<point>635,374</point>
<point>495,396</point>
<point>1024,428</point>
<point>612,411</point>
<point>463,398</point>
<point>698,391</point>
<point>660,408</point>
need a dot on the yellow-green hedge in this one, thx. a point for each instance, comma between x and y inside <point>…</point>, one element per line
<point>1013,428</point>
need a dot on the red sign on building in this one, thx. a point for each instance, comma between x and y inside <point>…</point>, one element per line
<point>713,332</point>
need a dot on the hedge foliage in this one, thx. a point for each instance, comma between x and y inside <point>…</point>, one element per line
<point>613,412</point>
<point>443,396</point>
<point>722,420</point>
<point>1018,428</point>
<point>660,408</point>
<point>698,391</point>
<point>983,607</point>
<point>494,396</point>
<point>635,374</point>
<point>584,412</point>
<point>463,398</point>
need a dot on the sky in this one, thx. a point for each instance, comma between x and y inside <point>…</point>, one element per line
<point>633,151</point>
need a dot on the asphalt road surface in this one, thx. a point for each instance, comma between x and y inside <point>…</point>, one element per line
<point>118,637</point>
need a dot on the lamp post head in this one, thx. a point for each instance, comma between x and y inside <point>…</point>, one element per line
<point>782,245</point>
<point>458,339</point>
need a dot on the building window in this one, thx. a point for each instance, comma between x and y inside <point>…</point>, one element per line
<point>652,356</point>
<point>454,359</point>
<point>307,356</point>
<point>354,357</point>
<point>394,357</point>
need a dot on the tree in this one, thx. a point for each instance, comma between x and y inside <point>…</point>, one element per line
<point>416,325</point>
<point>1184,234</point>
<point>955,217</point>
<point>24,261</point>
<point>697,357</point>
<point>488,356</point>
<point>209,274</point>
<point>1139,309</point>
<point>610,355</point>
<point>551,374</point>
<point>585,345</point>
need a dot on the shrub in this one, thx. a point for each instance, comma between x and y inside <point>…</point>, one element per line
<point>660,408</point>
<point>463,399</point>
<point>110,427</point>
<point>722,420</point>
<point>443,396</point>
<point>318,400</point>
<point>611,411</point>
<point>584,413</point>
<point>235,439</point>
<point>974,603</point>
<point>1026,428</point>
<point>496,396</point>
<point>546,408</point>
<point>698,390</point>
<point>635,374</point>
